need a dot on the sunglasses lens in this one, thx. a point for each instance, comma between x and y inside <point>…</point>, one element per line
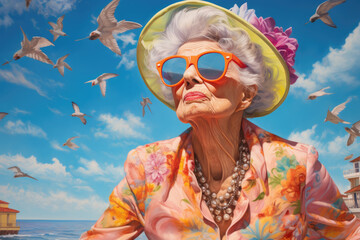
<point>211,65</point>
<point>173,70</point>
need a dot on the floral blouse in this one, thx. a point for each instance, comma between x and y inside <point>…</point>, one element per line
<point>286,194</point>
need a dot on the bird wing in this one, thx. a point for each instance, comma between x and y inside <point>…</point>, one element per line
<point>327,20</point>
<point>25,42</point>
<point>28,3</point>
<point>340,107</point>
<point>348,157</point>
<point>327,5</point>
<point>59,22</point>
<point>72,138</point>
<point>53,25</point>
<point>15,169</point>
<point>73,146</point>
<point>143,110</point>
<point>149,107</point>
<point>40,56</point>
<point>106,17</point>
<point>40,42</point>
<point>2,115</point>
<point>83,120</point>
<point>106,76</point>
<point>111,43</point>
<point>67,66</point>
<point>27,175</point>
<point>147,100</point>
<point>142,103</point>
<point>350,140</point>
<point>61,70</point>
<point>103,87</point>
<point>56,36</point>
<point>63,58</point>
<point>356,126</point>
<point>75,107</point>
<point>124,26</point>
<point>89,81</point>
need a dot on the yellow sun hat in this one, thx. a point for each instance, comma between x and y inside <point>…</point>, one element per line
<point>158,23</point>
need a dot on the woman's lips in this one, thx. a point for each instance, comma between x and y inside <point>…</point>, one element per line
<point>193,96</point>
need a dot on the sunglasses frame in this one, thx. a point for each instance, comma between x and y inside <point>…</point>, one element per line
<point>193,60</point>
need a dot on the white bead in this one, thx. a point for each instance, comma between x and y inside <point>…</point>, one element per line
<point>236,169</point>
<point>233,182</point>
<point>207,192</point>
<point>228,210</point>
<point>206,185</point>
<point>218,218</point>
<point>211,209</point>
<point>221,198</point>
<point>229,189</point>
<point>217,211</point>
<point>202,180</point>
<point>227,195</point>
<point>226,217</point>
<point>246,166</point>
<point>203,189</point>
<point>213,195</point>
<point>242,172</point>
<point>235,175</point>
<point>213,203</point>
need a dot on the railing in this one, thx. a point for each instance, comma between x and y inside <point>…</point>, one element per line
<point>351,171</point>
<point>350,203</point>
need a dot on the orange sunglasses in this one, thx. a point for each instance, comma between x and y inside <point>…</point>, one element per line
<point>210,66</point>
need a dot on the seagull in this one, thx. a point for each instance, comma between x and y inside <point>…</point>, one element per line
<point>354,132</point>
<point>108,25</point>
<point>70,144</point>
<point>319,93</point>
<point>322,12</point>
<point>32,49</point>
<point>333,115</point>
<point>78,114</point>
<point>27,3</point>
<point>144,103</point>
<point>101,81</point>
<point>57,28</point>
<point>2,115</point>
<point>60,64</point>
<point>19,173</point>
<point>349,157</point>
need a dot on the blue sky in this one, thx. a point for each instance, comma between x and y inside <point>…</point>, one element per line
<point>76,184</point>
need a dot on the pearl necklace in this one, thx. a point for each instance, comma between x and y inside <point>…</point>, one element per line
<point>221,207</point>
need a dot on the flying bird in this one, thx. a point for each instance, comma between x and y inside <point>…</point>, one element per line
<point>19,173</point>
<point>70,144</point>
<point>333,115</point>
<point>354,132</point>
<point>108,25</point>
<point>60,64</point>
<point>349,157</point>
<point>322,12</point>
<point>27,3</point>
<point>319,93</point>
<point>145,102</point>
<point>32,49</point>
<point>78,114</point>
<point>57,28</point>
<point>2,115</point>
<point>100,80</point>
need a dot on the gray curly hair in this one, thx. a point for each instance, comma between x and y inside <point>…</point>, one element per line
<point>210,23</point>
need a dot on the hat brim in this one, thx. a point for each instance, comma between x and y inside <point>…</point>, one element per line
<point>158,23</point>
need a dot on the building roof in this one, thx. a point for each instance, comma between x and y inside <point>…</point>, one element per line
<point>8,210</point>
<point>354,189</point>
<point>3,202</point>
<point>356,159</point>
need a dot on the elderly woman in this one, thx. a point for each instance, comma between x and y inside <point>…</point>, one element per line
<point>224,178</point>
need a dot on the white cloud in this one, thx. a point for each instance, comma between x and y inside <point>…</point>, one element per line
<point>57,146</point>
<point>53,7</point>
<point>101,135</point>
<point>16,76</point>
<point>338,66</point>
<point>54,110</point>
<point>6,21</point>
<point>328,145</point>
<point>93,19</point>
<point>84,188</point>
<point>19,111</point>
<point>106,173</point>
<point>126,39</point>
<point>53,204</point>
<point>53,171</point>
<point>34,23</point>
<point>9,7</point>
<point>19,127</point>
<point>127,59</point>
<point>122,127</point>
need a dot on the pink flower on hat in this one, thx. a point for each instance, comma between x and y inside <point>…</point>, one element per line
<point>285,45</point>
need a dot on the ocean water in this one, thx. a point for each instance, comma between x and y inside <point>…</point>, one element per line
<point>52,230</point>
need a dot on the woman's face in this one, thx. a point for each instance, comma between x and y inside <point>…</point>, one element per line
<point>196,98</point>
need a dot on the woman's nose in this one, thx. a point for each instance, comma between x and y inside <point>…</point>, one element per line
<point>191,77</point>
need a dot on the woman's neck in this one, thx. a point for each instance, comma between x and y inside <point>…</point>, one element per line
<point>215,143</point>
